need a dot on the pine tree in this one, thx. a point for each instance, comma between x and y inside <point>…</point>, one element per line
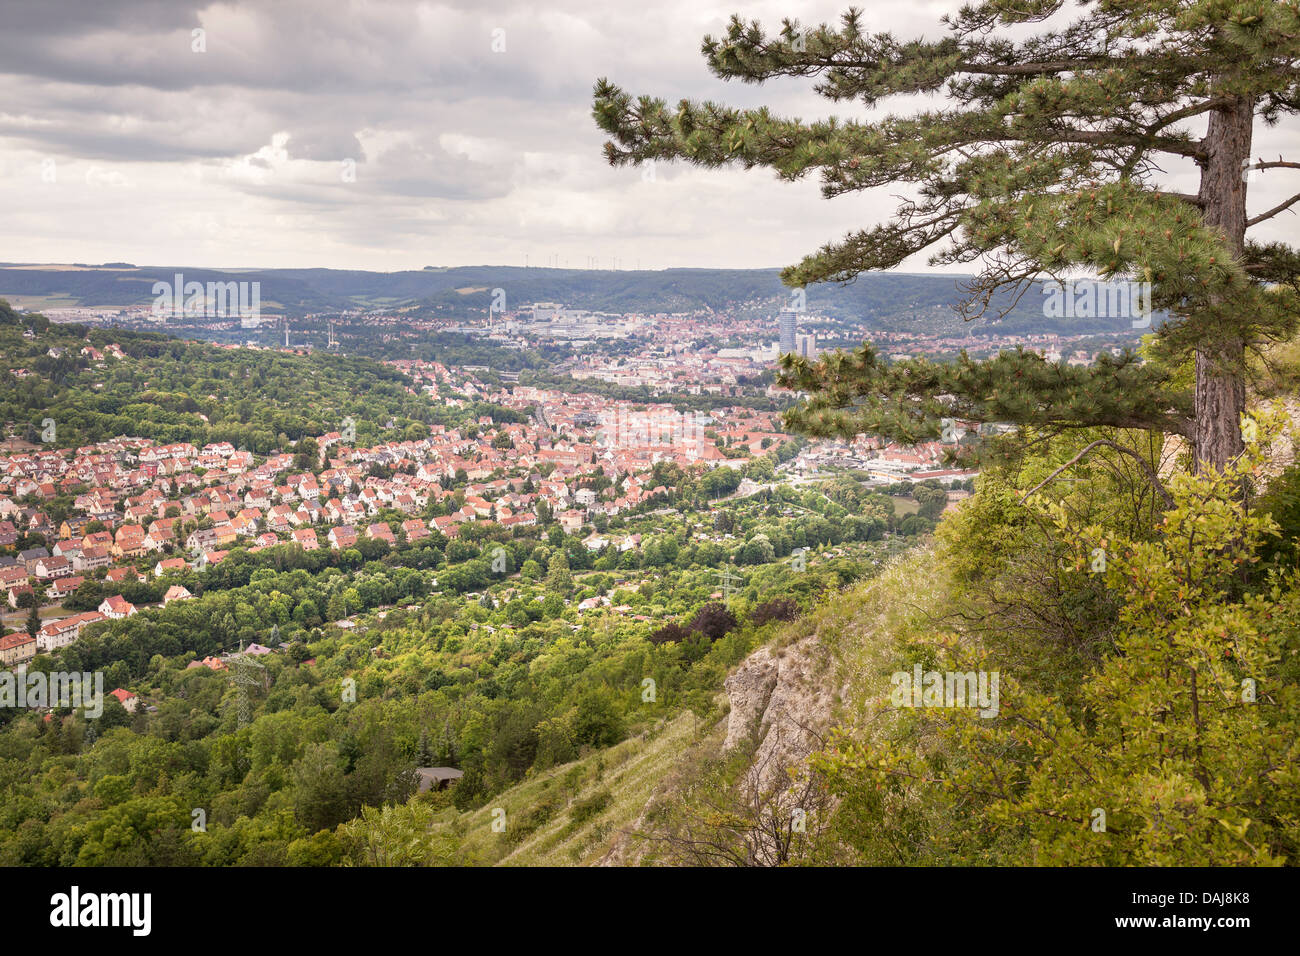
<point>1045,160</point>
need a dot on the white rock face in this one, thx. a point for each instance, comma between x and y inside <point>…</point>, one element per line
<point>785,699</point>
<point>749,688</point>
<point>782,703</point>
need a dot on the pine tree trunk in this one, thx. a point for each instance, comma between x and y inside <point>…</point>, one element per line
<point>1220,372</point>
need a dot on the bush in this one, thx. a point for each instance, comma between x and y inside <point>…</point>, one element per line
<point>1282,503</point>
<point>584,810</point>
<point>670,633</point>
<point>777,609</point>
<point>915,525</point>
<point>713,620</point>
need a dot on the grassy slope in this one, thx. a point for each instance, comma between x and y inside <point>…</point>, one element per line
<point>861,626</point>
<point>629,772</point>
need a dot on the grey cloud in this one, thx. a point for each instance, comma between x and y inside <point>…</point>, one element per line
<point>323,143</point>
<point>487,153</point>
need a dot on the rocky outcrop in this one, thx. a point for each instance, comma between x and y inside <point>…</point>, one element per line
<point>749,689</point>
<point>782,699</point>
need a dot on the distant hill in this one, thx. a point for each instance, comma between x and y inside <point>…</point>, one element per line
<point>104,286</point>
<point>885,300</point>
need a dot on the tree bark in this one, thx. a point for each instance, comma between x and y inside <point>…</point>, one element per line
<point>1220,361</point>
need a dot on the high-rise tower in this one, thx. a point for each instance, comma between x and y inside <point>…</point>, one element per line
<point>788,322</point>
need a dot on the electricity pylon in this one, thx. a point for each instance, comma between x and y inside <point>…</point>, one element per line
<point>245,673</point>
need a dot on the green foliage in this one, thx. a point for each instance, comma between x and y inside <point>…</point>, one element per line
<point>559,579</point>
<point>1282,503</point>
<point>584,810</point>
<point>1176,745</point>
<point>174,391</point>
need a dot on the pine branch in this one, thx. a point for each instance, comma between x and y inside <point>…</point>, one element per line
<point>1280,208</point>
<point>1043,162</point>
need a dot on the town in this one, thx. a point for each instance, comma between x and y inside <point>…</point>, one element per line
<point>141,511</point>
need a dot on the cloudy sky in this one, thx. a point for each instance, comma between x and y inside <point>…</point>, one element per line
<point>392,135</point>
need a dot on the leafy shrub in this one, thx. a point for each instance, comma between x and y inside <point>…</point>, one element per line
<point>713,620</point>
<point>670,633</point>
<point>777,609</point>
<point>584,810</point>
